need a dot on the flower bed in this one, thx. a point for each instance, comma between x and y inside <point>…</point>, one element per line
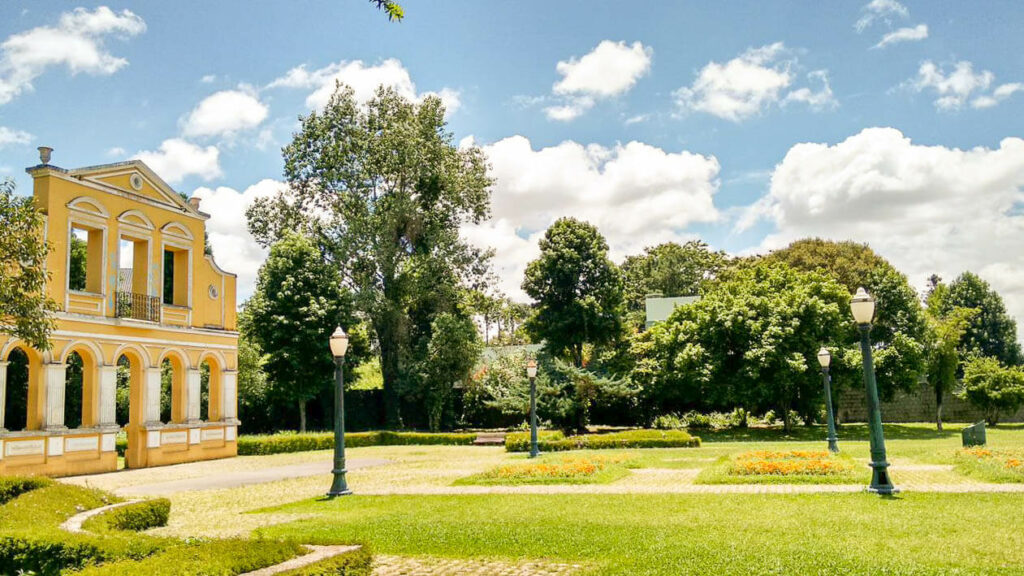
<point>781,467</point>
<point>992,465</point>
<point>594,469</point>
<point>554,441</point>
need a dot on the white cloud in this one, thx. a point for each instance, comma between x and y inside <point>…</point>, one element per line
<point>751,83</point>
<point>635,193</point>
<point>919,32</point>
<point>10,136</point>
<point>208,79</point>
<point>363,79</point>
<point>116,152</point>
<point>957,87</point>
<point>928,209</point>
<point>77,42</point>
<point>234,248</point>
<point>176,159</point>
<point>225,113</point>
<point>609,70</point>
<point>880,10</point>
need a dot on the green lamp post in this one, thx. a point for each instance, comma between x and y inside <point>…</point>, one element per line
<point>339,345</point>
<point>825,359</point>
<point>863,308</point>
<point>531,373</point>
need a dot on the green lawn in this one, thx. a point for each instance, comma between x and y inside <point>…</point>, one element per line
<point>688,534</point>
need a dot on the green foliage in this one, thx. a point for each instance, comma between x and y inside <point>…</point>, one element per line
<point>990,332</point>
<point>393,9</point>
<point>566,398</point>
<point>577,290</point>
<point>557,441</point>
<point>453,350</point>
<point>383,190</point>
<point>254,397</point>
<point>297,304</point>
<point>668,269</point>
<point>77,261</point>
<point>355,563</point>
<point>24,307</point>
<point>750,341</point>
<point>201,557</point>
<point>134,517</point>
<point>283,442</point>
<point>502,384</point>
<point>992,388</point>
<point>13,486</point>
<point>367,376</point>
<point>946,330</point>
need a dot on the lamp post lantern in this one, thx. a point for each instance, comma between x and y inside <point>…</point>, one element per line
<point>825,359</point>
<point>339,345</point>
<point>531,372</point>
<point>863,308</point>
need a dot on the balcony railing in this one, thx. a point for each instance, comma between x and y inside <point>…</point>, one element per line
<point>138,306</point>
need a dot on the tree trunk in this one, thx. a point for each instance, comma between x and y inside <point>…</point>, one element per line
<point>938,409</point>
<point>302,415</point>
<point>787,424</point>
<point>388,339</point>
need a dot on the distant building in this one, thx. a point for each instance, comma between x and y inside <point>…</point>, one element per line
<point>659,307</point>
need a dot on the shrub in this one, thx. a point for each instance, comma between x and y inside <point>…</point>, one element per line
<point>556,442</point>
<point>355,563</point>
<point>992,387</point>
<point>668,422</point>
<point>201,557</point>
<point>293,442</point>
<point>134,517</point>
<point>13,486</point>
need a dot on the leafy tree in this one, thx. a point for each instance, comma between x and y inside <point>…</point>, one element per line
<point>992,331</point>
<point>77,263</point>
<point>384,190</point>
<point>502,384</point>
<point>946,330</point>
<point>254,404</point>
<point>571,392</point>
<point>297,304</point>
<point>899,330</point>
<point>669,269</point>
<point>24,307</point>
<point>750,341</point>
<point>577,289</point>
<point>453,350</point>
<point>993,388</point>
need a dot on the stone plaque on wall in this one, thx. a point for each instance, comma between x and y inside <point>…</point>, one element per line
<point>81,444</point>
<point>24,447</point>
<point>176,437</point>
<point>213,434</point>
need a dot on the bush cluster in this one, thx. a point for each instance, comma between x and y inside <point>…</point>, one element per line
<point>553,441</point>
<point>13,486</point>
<point>293,442</point>
<point>356,563</point>
<point>134,517</point>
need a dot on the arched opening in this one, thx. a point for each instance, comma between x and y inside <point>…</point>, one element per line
<point>73,393</point>
<point>122,391</point>
<point>172,389</point>
<point>16,401</point>
<point>211,388</point>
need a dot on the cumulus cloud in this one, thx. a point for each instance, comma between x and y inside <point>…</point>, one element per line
<point>225,113</point>
<point>233,247</point>
<point>751,83</point>
<point>929,209</point>
<point>956,87</point>
<point>177,159</point>
<point>609,70</point>
<point>76,42</point>
<point>10,137</point>
<point>635,193</point>
<point>880,11</point>
<point>919,32</point>
<point>363,79</point>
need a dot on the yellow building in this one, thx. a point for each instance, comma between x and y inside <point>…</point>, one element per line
<point>150,301</point>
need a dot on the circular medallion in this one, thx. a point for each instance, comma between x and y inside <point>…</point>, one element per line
<point>136,181</point>
<point>213,292</point>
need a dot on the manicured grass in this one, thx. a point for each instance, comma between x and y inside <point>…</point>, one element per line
<point>562,469</point>
<point>785,467</point>
<point>688,534</point>
<point>988,465</point>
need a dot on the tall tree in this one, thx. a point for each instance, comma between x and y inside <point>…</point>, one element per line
<point>24,307</point>
<point>297,304</point>
<point>453,350</point>
<point>577,290</point>
<point>945,333</point>
<point>669,269</point>
<point>384,190</point>
<point>992,331</point>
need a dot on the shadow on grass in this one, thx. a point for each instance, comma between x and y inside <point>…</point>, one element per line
<point>855,432</point>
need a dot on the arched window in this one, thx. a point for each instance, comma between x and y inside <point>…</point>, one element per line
<point>166,394</point>
<point>204,390</point>
<point>74,380</point>
<point>122,393</point>
<point>16,405</point>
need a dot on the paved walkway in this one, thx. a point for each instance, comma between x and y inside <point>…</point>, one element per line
<point>232,479</point>
<point>426,566</point>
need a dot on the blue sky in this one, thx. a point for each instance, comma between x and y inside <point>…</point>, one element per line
<point>746,124</point>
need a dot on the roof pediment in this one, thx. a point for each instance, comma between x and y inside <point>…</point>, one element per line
<point>135,178</point>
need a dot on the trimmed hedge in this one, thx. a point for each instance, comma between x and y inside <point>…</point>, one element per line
<point>355,563</point>
<point>553,441</point>
<point>249,445</point>
<point>134,517</point>
<point>13,486</point>
<point>202,557</point>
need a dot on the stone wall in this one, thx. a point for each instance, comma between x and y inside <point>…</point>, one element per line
<point>915,407</point>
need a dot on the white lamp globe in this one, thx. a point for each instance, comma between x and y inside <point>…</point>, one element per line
<point>824,358</point>
<point>531,368</point>
<point>339,343</point>
<point>863,307</point>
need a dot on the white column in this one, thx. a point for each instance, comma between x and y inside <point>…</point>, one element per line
<point>54,376</point>
<point>192,396</point>
<point>151,396</point>
<point>3,392</point>
<point>108,397</point>
<point>229,395</point>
